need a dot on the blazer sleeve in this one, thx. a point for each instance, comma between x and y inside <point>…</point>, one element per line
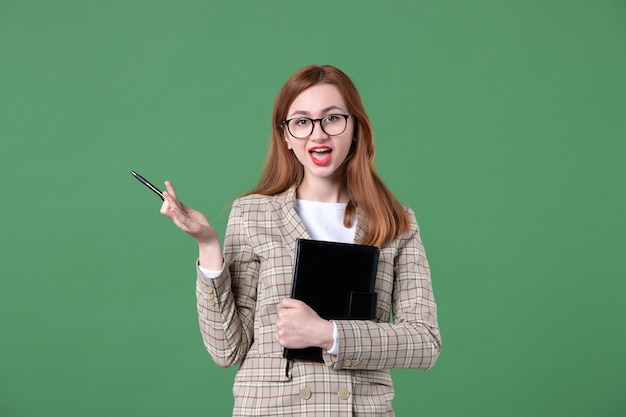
<point>226,304</point>
<point>413,339</point>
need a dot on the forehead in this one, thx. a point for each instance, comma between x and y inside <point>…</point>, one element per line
<point>318,98</point>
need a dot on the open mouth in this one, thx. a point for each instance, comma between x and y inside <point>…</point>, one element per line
<point>321,155</point>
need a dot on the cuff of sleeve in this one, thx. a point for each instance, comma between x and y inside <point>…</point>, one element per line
<point>334,350</point>
<point>208,273</point>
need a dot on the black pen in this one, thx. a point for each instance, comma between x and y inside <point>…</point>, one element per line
<point>147,184</point>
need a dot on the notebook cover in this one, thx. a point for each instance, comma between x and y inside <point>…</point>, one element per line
<point>337,280</point>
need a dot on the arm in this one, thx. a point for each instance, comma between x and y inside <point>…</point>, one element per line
<point>413,340</point>
<point>226,304</point>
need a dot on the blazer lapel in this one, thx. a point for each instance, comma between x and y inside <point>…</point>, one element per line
<point>288,222</point>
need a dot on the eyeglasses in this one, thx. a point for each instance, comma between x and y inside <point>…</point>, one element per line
<point>332,125</point>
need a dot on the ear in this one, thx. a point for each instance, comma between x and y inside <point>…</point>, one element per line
<point>287,139</point>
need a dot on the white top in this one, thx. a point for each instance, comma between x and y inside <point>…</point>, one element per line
<point>323,221</point>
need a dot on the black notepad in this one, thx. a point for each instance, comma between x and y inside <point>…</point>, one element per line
<point>337,280</point>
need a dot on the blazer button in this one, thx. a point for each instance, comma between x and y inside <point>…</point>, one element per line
<point>347,363</point>
<point>305,393</point>
<point>343,394</point>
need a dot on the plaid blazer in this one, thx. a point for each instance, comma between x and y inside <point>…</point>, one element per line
<point>237,315</point>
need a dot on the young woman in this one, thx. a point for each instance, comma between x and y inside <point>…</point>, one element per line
<point>319,182</point>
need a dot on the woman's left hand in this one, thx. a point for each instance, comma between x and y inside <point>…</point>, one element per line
<point>299,326</point>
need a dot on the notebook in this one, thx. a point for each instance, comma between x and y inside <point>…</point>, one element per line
<point>337,280</point>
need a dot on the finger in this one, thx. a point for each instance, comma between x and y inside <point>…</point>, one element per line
<point>284,306</point>
<point>170,187</point>
<point>170,203</point>
<point>169,197</point>
<point>280,310</point>
<point>173,200</point>
<point>165,205</point>
<point>290,303</point>
<point>171,209</point>
<point>171,190</point>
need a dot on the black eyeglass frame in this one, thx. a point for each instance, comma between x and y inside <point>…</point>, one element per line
<point>345,116</point>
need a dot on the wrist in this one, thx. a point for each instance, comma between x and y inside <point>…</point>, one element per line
<point>328,339</point>
<point>210,255</point>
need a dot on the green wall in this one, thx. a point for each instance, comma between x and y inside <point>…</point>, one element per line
<point>502,123</point>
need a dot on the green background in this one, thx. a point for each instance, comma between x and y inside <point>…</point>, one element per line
<point>502,123</point>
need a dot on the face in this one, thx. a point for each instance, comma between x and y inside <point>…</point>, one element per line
<point>320,154</point>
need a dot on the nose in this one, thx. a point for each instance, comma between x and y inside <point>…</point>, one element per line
<point>318,133</point>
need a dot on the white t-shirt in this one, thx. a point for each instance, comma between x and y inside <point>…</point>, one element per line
<point>324,221</point>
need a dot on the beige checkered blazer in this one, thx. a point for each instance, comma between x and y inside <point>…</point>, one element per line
<point>237,314</point>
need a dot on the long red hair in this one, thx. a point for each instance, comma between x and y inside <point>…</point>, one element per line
<point>384,216</point>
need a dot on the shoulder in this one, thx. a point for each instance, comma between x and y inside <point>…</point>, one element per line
<point>411,213</point>
<point>252,200</point>
<point>412,220</point>
<point>252,203</point>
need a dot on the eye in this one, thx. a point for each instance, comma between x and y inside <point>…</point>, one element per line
<point>331,118</point>
<point>301,122</point>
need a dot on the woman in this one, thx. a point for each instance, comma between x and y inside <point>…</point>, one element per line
<point>319,182</point>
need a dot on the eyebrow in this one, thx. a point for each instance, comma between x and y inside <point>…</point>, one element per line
<point>306,113</point>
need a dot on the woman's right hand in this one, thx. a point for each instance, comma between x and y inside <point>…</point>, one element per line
<point>196,225</point>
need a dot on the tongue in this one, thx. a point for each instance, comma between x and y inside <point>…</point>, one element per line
<point>320,156</point>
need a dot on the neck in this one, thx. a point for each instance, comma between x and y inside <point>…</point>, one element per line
<point>324,190</point>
